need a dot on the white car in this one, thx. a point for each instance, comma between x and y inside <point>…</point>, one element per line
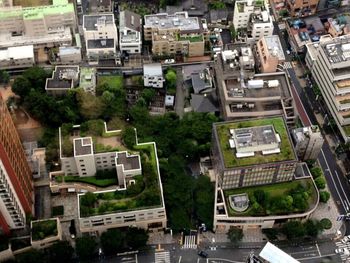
<point>344,251</point>
<point>346,239</point>
<point>169,61</point>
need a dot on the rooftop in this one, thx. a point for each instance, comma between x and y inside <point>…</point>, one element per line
<point>129,162</point>
<point>66,51</point>
<point>87,77</point>
<point>272,254</point>
<point>91,22</point>
<point>146,193</point>
<point>228,154</point>
<point>14,53</point>
<point>338,49</point>
<point>154,69</point>
<point>100,43</point>
<point>130,20</point>
<point>179,20</point>
<point>274,46</point>
<point>83,146</point>
<point>63,77</point>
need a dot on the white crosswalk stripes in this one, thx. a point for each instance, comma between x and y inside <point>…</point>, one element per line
<point>162,257</point>
<point>341,245</point>
<point>190,242</point>
<point>287,64</point>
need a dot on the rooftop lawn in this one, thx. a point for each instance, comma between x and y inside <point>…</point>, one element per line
<point>191,38</point>
<point>303,193</point>
<point>88,180</point>
<point>230,160</point>
<point>145,193</point>
<point>115,82</point>
<point>44,229</point>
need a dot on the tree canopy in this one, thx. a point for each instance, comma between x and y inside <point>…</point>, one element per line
<point>235,234</point>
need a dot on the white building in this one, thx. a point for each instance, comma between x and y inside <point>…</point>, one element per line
<point>17,57</point>
<point>153,75</point>
<point>252,17</point>
<point>101,37</point>
<point>308,142</point>
<point>69,55</point>
<point>130,36</point>
<point>329,62</point>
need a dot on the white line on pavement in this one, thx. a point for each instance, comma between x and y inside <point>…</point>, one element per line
<point>318,249</point>
<point>308,258</point>
<point>180,259</point>
<point>198,260</point>
<point>335,186</point>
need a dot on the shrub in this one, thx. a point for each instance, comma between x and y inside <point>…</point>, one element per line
<point>324,196</point>
<point>320,182</point>
<point>326,223</point>
<point>316,172</point>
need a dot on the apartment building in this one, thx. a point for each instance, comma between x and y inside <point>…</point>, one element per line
<point>153,75</point>
<point>301,8</point>
<point>130,32</point>
<point>252,154</point>
<point>176,34</point>
<point>40,26</point>
<point>308,142</point>
<point>17,57</point>
<point>245,94</point>
<point>329,62</point>
<point>101,37</point>
<point>63,79</point>
<point>269,54</point>
<point>253,19</point>
<point>16,182</point>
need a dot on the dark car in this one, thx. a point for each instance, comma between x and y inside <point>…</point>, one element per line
<point>203,254</point>
<point>72,230</point>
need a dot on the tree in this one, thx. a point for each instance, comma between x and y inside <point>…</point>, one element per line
<point>260,196</point>
<point>204,200</point>
<point>90,106</point>
<point>270,233</point>
<point>4,77</point>
<point>235,234</point>
<point>233,32</point>
<point>316,172</point>
<point>324,196</point>
<point>31,256</point>
<point>293,229</point>
<point>326,223</point>
<point>136,238</point>
<point>171,78</point>
<point>21,87</point>
<point>312,228</point>
<point>88,199</point>
<point>129,137</point>
<point>60,251</point>
<point>148,95</point>
<point>85,247</point>
<point>320,182</point>
<point>112,241</point>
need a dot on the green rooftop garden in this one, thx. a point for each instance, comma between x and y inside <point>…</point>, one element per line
<point>191,38</point>
<point>276,199</point>
<point>145,193</point>
<point>230,159</point>
<point>44,229</point>
<point>115,82</point>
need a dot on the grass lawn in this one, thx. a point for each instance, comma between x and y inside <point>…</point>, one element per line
<point>191,39</point>
<point>89,180</point>
<point>230,160</point>
<point>115,82</point>
<point>273,190</point>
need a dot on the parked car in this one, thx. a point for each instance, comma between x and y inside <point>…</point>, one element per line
<point>344,251</point>
<point>203,254</point>
<point>346,239</point>
<point>169,61</point>
<point>72,230</point>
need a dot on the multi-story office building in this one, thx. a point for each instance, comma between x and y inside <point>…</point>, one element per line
<point>63,79</point>
<point>253,18</point>
<point>176,34</point>
<point>249,155</point>
<point>16,182</point>
<point>244,94</point>
<point>329,62</point>
<point>17,57</point>
<point>130,32</point>
<point>40,26</point>
<point>101,37</point>
<point>269,54</point>
<point>308,142</point>
<point>302,8</point>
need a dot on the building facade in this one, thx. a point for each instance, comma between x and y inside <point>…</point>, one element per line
<point>329,62</point>
<point>17,57</point>
<point>101,37</point>
<point>269,54</point>
<point>176,34</point>
<point>308,142</point>
<point>301,8</point>
<point>130,32</point>
<point>153,75</point>
<point>16,182</point>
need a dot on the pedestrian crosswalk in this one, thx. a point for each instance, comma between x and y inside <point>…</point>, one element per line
<point>190,242</point>
<point>288,65</point>
<point>342,245</point>
<point>162,257</point>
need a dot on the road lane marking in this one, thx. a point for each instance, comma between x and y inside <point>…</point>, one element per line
<point>341,186</point>
<point>318,249</point>
<point>335,186</point>
<point>198,260</point>
<point>180,259</point>
<point>308,258</point>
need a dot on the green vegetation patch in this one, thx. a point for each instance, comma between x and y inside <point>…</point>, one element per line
<point>344,101</point>
<point>115,82</point>
<point>44,229</point>
<point>89,180</point>
<point>191,38</point>
<point>57,211</point>
<point>145,193</point>
<point>230,160</point>
<point>276,199</point>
